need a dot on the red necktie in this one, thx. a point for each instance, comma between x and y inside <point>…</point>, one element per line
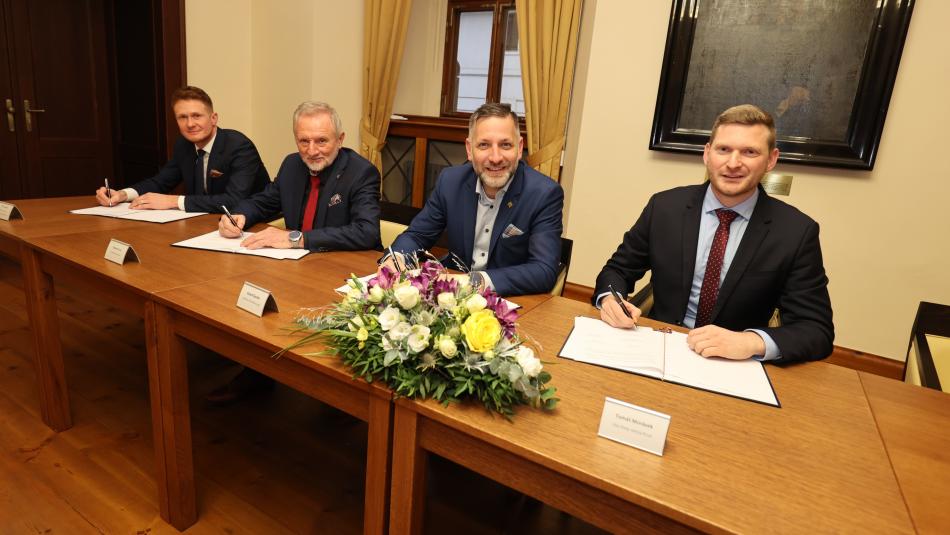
<point>310,212</point>
<point>710,289</point>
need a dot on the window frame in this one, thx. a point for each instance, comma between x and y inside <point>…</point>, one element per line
<point>500,10</point>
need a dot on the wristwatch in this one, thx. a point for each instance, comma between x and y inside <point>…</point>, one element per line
<point>295,237</point>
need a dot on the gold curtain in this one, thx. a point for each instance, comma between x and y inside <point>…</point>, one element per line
<point>547,35</point>
<point>384,36</point>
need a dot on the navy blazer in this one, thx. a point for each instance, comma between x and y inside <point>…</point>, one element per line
<point>347,206</point>
<point>517,265</point>
<point>233,155</point>
<point>778,265</point>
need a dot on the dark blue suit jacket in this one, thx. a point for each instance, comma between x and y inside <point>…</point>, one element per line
<point>233,155</point>
<point>517,265</point>
<point>347,207</point>
<point>777,265</point>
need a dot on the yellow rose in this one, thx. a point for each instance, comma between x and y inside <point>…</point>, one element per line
<point>482,331</point>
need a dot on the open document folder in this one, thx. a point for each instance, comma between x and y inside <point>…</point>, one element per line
<point>214,241</point>
<point>666,356</point>
<point>123,211</point>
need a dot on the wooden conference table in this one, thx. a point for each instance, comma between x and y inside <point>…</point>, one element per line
<point>843,454</point>
<point>846,452</point>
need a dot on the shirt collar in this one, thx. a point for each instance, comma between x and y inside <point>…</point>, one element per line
<point>744,209</point>
<point>207,147</point>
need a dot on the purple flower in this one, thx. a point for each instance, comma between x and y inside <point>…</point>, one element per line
<point>506,316</point>
<point>385,278</point>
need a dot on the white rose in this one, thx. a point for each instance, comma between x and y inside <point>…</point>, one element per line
<point>418,338</point>
<point>475,303</point>
<point>400,331</point>
<point>376,294</point>
<point>407,296</point>
<point>446,300</point>
<point>425,317</point>
<point>388,318</point>
<point>530,364</point>
<point>447,346</point>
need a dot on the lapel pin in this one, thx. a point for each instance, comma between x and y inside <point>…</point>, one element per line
<point>510,204</point>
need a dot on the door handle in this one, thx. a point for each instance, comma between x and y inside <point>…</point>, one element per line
<point>27,111</point>
<point>11,111</point>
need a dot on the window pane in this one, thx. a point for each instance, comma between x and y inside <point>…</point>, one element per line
<point>474,47</point>
<point>511,90</point>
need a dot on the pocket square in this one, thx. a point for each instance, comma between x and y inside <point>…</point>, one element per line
<point>335,200</point>
<point>214,173</point>
<point>511,231</point>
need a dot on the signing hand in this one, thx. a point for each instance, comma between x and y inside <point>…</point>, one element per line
<point>269,237</point>
<point>713,341</point>
<point>155,201</point>
<point>612,314</point>
<point>226,229</point>
<point>104,200</point>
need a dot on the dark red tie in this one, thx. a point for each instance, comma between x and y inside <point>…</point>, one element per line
<point>710,289</point>
<point>310,212</point>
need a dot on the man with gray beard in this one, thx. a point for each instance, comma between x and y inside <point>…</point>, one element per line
<point>501,217</point>
<point>328,194</point>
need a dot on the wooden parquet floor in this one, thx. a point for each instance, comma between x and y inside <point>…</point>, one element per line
<point>277,463</point>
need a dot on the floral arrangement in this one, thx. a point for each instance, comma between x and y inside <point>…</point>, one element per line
<point>431,335</point>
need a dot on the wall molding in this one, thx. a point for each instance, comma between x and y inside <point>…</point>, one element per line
<point>841,356</point>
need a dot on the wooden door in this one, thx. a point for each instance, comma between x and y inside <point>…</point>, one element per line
<point>61,93</point>
<point>10,185</point>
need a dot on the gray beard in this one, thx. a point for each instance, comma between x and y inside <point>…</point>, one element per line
<point>496,183</point>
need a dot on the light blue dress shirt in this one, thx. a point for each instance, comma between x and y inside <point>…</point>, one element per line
<point>708,224</point>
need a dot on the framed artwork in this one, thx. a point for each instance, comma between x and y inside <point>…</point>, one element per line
<point>823,69</point>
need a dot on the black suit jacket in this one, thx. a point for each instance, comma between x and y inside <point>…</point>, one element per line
<point>778,265</point>
<point>347,207</point>
<point>233,155</point>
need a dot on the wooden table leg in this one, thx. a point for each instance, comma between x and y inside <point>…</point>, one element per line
<point>47,348</point>
<point>379,438</point>
<point>408,475</point>
<point>171,419</point>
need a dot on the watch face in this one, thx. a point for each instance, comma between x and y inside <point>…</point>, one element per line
<point>295,235</point>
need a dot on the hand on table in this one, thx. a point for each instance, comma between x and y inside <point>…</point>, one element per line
<point>155,201</point>
<point>116,197</point>
<point>612,314</point>
<point>714,341</point>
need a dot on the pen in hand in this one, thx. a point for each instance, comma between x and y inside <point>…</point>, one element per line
<point>231,219</point>
<point>108,192</point>
<point>620,302</point>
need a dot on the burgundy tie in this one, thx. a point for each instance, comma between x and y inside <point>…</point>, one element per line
<point>710,289</point>
<point>310,211</point>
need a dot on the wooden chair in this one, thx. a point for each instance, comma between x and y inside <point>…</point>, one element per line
<point>928,351</point>
<point>567,247</point>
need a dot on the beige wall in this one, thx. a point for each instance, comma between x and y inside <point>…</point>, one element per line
<point>874,288</point>
<point>259,59</point>
<point>883,232</point>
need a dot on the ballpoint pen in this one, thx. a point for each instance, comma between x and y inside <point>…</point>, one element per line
<point>619,299</point>
<point>231,219</point>
<point>108,193</point>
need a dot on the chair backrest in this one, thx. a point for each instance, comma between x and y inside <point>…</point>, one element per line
<point>567,248</point>
<point>928,351</point>
<point>388,230</point>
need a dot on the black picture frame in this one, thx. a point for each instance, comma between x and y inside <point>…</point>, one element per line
<point>834,144</point>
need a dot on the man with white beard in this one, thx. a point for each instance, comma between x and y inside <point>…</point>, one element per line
<point>501,217</point>
<point>328,194</point>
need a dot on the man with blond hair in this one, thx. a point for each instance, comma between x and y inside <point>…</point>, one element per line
<point>724,255</point>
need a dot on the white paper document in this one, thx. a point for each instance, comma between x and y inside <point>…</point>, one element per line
<point>214,241</point>
<point>666,356</point>
<point>124,211</point>
<point>365,278</point>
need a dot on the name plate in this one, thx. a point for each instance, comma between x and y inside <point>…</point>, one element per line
<point>9,211</point>
<point>634,426</point>
<point>256,300</point>
<point>120,252</point>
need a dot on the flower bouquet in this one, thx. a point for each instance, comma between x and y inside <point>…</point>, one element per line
<point>428,334</point>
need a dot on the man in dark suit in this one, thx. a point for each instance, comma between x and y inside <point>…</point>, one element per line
<point>219,167</point>
<point>329,194</point>
<point>502,218</point>
<point>724,255</point>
